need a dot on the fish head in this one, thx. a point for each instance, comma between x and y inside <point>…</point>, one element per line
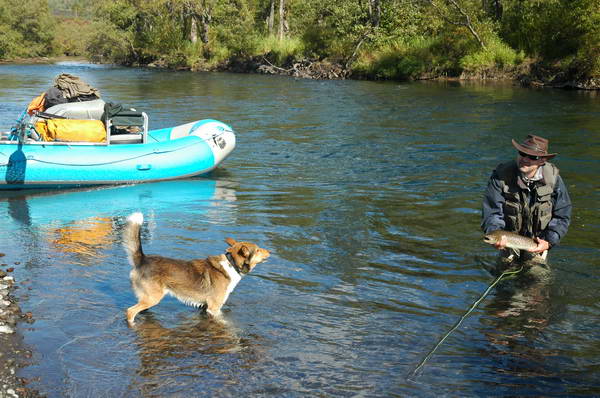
<point>491,238</point>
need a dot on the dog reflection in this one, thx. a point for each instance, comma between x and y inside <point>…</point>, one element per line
<point>192,345</point>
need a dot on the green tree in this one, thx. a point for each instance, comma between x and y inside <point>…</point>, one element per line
<point>564,33</point>
<point>27,29</point>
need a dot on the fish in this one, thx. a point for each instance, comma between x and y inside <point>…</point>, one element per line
<point>513,240</point>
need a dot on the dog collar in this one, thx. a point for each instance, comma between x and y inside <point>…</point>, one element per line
<point>233,264</point>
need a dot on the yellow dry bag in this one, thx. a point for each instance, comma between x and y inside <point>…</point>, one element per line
<point>71,130</point>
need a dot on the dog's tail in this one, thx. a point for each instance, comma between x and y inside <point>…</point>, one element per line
<point>131,239</point>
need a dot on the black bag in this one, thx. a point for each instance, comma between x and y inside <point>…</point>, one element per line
<point>82,98</point>
<point>110,110</point>
<point>54,96</point>
<point>123,120</point>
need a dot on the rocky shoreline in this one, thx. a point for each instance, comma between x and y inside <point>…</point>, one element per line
<point>13,352</point>
<point>528,75</point>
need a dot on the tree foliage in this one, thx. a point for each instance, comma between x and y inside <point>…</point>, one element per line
<point>26,28</point>
<point>374,38</point>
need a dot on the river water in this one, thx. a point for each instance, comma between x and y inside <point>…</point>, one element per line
<point>368,196</point>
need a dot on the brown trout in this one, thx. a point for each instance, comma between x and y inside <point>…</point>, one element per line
<point>513,240</point>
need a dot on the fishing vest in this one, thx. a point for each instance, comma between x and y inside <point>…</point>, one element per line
<point>527,211</point>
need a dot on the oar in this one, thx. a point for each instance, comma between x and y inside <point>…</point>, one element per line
<point>462,318</point>
<point>14,131</point>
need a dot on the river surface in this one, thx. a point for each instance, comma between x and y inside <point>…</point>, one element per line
<point>368,196</point>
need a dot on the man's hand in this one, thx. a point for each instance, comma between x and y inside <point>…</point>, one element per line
<point>542,245</point>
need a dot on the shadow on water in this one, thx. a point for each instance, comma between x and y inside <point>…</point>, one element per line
<point>18,210</point>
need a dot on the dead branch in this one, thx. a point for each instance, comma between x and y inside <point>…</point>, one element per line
<point>466,22</point>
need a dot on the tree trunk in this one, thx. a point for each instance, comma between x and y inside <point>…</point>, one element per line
<point>271,17</point>
<point>204,17</point>
<point>193,30</point>
<point>497,9</point>
<point>375,12</point>
<point>204,26</point>
<point>281,18</point>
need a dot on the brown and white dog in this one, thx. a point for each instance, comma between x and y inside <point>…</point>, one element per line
<point>201,282</point>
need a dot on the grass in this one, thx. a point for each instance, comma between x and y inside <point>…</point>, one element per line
<point>496,55</point>
<point>279,51</point>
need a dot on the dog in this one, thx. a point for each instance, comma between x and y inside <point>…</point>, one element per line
<point>200,282</point>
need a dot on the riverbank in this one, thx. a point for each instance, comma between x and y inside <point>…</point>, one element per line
<point>13,352</point>
<point>533,75</point>
<point>43,60</point>
<point>528,74</point>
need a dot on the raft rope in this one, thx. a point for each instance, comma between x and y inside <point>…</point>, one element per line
<point>155,152</point>
<point>462,318</point>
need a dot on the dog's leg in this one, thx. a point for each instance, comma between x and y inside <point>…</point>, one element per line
<point>213,307</point>
<point>143,304</point>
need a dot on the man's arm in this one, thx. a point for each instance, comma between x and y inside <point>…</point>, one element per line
<point>561,214</point>
<point>492,215</point>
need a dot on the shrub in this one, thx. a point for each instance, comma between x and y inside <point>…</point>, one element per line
<point>317,41</point>
<point>496,55</point>
<point>280,51</point>
<point>400,60</point>
<point>9,39</point>
<point>72,36</point>
<point>109,44</point>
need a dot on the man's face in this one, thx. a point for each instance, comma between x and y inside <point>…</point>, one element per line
<point>528,165</point>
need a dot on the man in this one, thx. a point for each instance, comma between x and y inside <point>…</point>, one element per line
<point>527,196</point>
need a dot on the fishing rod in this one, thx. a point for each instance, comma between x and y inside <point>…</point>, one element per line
<point>462,318</point>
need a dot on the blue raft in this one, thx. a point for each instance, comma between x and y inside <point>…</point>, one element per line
<point>177,152</point>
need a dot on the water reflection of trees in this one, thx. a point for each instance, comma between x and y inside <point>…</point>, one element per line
<point>88,237</point>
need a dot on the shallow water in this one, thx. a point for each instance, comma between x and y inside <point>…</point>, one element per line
<point>368,196</point>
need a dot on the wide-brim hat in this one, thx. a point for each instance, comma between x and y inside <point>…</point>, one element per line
<point>534,146</point>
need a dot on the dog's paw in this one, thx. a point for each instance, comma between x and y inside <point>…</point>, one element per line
<point>214,314</point>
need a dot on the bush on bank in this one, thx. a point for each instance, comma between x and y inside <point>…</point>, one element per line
<point>496,56</point>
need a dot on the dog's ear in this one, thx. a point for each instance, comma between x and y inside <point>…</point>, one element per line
<point>244,251</point>
<point>230,241</point>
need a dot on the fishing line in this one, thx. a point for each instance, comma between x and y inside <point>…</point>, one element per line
<point>462,318</point>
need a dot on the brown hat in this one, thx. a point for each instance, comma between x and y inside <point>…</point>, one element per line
<point>534,146</point>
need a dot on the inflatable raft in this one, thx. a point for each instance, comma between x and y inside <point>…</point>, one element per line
<point>123,152</point>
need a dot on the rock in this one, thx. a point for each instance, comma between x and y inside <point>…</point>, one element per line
<point>6,329</point>
<point>12,352</point>
<point>306,69</point>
